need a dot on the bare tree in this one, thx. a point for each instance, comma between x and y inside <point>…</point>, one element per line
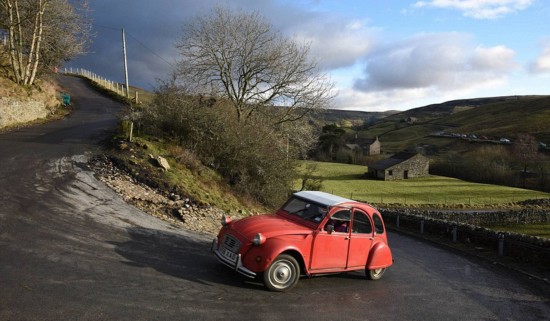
<point>43,33</point>
<point>239,57</point>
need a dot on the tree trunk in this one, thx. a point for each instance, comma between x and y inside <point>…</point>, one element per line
<point>19,43</point>
<point>38,40</point>
<point>14,59</point>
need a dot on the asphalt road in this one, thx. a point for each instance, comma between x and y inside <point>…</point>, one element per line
<point>71,249</point>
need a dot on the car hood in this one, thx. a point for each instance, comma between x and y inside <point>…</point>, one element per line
<point>269,225</point>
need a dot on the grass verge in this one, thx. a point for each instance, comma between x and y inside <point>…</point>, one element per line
<point>187,176</point>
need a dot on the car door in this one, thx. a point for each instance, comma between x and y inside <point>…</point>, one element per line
<point>330,248</point>
<point>361,239</point>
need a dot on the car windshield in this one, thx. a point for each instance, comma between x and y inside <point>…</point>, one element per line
<point>305,209</point>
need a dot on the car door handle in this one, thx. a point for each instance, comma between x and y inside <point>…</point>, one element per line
<point>347,238</point>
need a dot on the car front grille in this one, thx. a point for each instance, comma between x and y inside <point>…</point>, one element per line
<point>231,243</point>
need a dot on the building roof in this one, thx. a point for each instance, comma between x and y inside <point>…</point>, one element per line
<point>354,146</point>
<point>393,160</point>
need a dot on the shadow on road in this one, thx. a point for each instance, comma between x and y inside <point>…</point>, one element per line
<point>180,256</point>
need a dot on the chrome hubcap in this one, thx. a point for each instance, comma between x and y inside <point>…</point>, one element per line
<point>282,275</point>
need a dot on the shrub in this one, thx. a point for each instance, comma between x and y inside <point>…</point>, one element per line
<point>255,157</point>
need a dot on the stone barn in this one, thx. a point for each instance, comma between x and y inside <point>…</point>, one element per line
<point>400,166</point>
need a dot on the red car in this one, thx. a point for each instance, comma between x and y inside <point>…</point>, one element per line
<point>312,233</point>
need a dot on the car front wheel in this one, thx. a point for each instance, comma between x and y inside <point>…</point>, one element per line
<point>375,274</point>
<point>282,274</point>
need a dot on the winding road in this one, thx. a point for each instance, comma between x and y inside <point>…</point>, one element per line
<point>71,249</point>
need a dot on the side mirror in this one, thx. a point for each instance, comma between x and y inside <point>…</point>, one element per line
<point>329,228</point>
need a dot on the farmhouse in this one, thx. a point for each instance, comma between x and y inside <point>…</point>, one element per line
<point>367,147</point>
<point>400,166</point>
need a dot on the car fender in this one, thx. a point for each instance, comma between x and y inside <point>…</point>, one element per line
<point>380,256</point>
<point>269,251</point>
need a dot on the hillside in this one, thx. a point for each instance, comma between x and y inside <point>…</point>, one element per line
<point>348,118</point>
<point>493,118</point>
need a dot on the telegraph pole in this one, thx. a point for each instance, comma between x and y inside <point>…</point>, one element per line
<point>125,64</point>
<point>127,86</point>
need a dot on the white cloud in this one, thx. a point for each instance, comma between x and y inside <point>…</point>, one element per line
<point>493,60</point>
<point>335,43</point>
<point>542,63</point>
<point>442,62</point>
<point>350,99</point>
<point>479,9</point>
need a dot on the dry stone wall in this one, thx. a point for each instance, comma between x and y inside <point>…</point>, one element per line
<point>13,111</point>
<point>465,227</point>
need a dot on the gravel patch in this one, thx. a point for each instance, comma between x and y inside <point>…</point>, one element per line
<point>175,209</point>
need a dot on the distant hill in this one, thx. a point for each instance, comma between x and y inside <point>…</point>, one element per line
<point>435,111</point>
<point>348,118</point>
<point>494,118</point>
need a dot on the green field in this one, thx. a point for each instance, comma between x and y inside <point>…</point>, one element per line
<point>540,230</point>
<point>348,181</point>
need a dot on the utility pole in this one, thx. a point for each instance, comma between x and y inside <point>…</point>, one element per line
<point>127,86</point>
<point>125,64</point>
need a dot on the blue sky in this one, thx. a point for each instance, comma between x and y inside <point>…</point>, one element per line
<point>382,55</point>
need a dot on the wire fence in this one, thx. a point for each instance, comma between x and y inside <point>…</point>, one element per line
<point>115,87</point>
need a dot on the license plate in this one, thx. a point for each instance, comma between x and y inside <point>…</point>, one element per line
<point>230,255</point>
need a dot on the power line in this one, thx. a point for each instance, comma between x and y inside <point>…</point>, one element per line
<point>151,50</point>
<point>139,42</point>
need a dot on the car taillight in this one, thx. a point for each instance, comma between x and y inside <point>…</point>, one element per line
<point>226,220</point>
<point>258,239</point>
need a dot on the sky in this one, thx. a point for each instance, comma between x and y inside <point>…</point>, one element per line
<point>381,55</point>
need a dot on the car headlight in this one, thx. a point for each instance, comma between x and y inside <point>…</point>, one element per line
<point>226,220</point>
<point>258,239</point>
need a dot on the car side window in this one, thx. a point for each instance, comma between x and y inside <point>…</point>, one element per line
<point>378,225</point>
<point>340,221</point>
<point>361,223</point>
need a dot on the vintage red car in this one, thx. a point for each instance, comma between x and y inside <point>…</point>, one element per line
<point>312,233</point>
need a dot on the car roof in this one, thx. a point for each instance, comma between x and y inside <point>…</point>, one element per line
<point>322,198</point>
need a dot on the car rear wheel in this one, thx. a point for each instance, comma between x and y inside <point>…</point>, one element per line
<point>283,273</point>
<point>375,274</point>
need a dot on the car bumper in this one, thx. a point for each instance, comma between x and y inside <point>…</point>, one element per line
<point>236,265</point>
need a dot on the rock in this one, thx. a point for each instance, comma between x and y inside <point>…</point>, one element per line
<point>160,162</point>
<point>163,163</point>
<point>174,197</point>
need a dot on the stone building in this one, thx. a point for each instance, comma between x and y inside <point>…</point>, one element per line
<point>372,147</point>
<point>402,165</point>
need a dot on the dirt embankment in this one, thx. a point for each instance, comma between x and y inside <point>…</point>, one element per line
<point>170,207</point>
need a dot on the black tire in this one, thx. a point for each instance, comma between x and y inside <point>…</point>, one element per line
<point>375,274</point>
<point>283,273</point>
